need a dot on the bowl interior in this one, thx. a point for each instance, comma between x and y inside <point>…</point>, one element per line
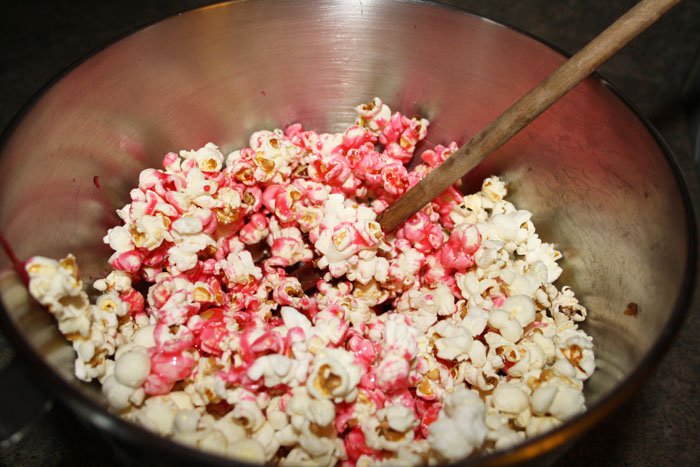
<point>596,179</point>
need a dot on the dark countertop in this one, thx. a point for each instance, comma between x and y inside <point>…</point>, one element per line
<point>658,426</point>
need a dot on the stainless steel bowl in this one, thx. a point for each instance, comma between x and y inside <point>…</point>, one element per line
<point>600,183</point>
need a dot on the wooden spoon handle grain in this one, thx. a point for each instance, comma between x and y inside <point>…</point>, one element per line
<point>532,104</point>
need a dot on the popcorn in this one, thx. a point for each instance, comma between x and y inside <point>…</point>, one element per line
<point>208,158</point>
<point>311,427</point>
<point>247,450</point>
<point>442,340</point>
<point>455,343</point>
<point>274,369</point>
<point>133,367</point>
<point>57,286</point>
<point>334,376</point>
<point>374,115</point>
<point>119,395</point>
<point>507,324</point>
<point>391,429</point>
<point>158,414</point>
<point>509,398</point>
<point>460,427</point>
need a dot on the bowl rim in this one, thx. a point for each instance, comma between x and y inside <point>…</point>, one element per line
<point>560,437</point>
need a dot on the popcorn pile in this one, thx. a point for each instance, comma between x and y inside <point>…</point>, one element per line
<point>442,340</point>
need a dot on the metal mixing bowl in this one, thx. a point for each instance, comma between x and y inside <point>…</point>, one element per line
<point>600,183</point>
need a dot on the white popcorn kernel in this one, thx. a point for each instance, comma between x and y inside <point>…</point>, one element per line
<point>148,231</point>
<point>578,350</point>
<point>311,426</point>
<point>468,284</point>
<point>334,376</point>
<point>247,450</point>
<point>475,320</point>
<point>494,189</point>
<point>137,397</point>
<point>266,437</point>
<point>523,418</point>
<point>208,158</point>
<point>400,418</point>
<point>248,412</point>
<point>187,225</point>
<point>231,428</point>
<point>119,239</point>
<point>118,281</point>
<point>292,319</point>
<point>214,442</point>
<point>133,367</point>
<point>181,400</point>
<point>536,355</point>
<point>275,414</point>
<point>518,356</point>
<point>542,398</point>
<point>390,429</point>
<point>455,346</point>
<point>560,401</point>
<point>57,285</point>
<point>240,268</point>
<point>564,368</point>
<point>85,350</point>
<point>460,427</point>
<point>117,394</point>
<point>144,336</point>
<point>157,414</point>
<point>510,328</point>
<point>186,421</point>
<point>274,369</point>
<point>477,354</point>
<point>540,425</point>
<point>546,344</point>
<point>438,301</point>
<point>510,398</point>
<point>520,307</point>
<point>509,225</point>
<point>508,439</point>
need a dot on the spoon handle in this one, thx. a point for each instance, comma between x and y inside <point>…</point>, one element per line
<point>532,104</point>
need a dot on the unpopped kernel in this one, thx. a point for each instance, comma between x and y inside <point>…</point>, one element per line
<point>442,340</point>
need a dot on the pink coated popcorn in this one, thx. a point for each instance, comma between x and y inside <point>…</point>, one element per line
<point>423,234</point>
<point>458,251</point>
<point>410,337</point>
<point>129,261</point>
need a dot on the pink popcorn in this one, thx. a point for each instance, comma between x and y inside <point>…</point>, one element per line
<point>134,300</point>
<point>129,261</point>
<point>166,369</point>
<point>434,157</point>
<point>241,168</point>
<point>356,136</point>
<point>212,331</point>
<point>255,230</point>
<point>421,232</point>
<point>458,251</point>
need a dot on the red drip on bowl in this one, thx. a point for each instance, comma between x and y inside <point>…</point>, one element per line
<point>18,265</point>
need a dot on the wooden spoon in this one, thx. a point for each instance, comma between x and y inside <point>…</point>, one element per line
<point>510,122</point>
